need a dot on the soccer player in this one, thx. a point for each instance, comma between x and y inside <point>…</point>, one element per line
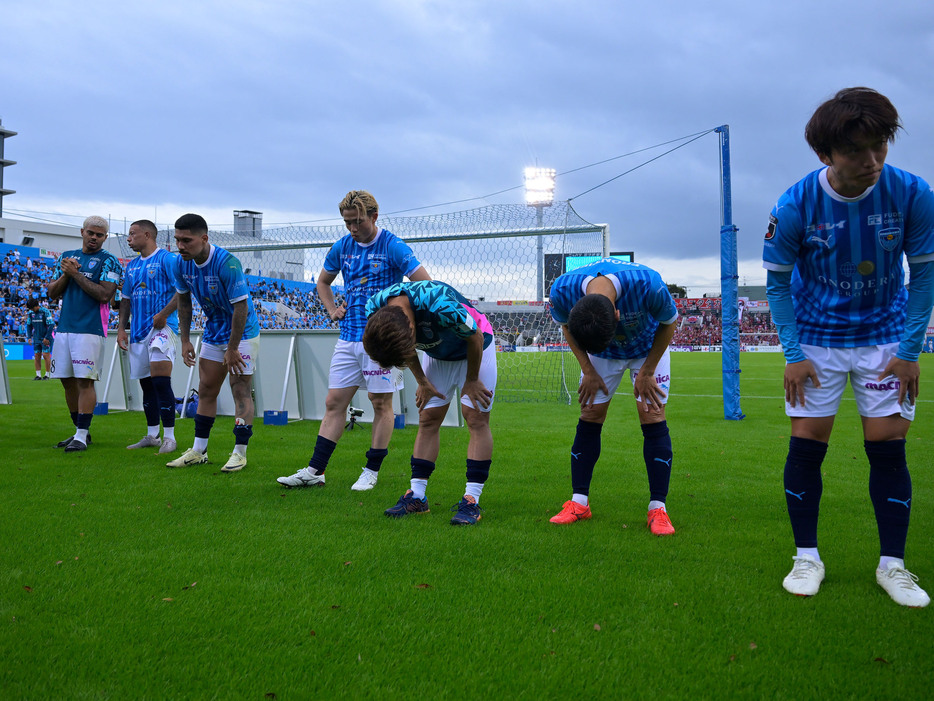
<point>370,259</point>
<point>835,283</point>
<point>230,345</point>
<point>457,341</point>
<point>617,315</point>
<point>149,303</point>
<point>40,327</point>
<point>85,279</point>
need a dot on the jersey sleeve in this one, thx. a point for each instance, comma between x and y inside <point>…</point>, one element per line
<point>234,280</point>
<point>660,303</point>
<point>332,261</point>
<point>442,303</point>
<point>403,258</point>
<point>782,237</point>
<point>560,301</point>
<point>111,270</point>
<point>381,298</point>
<point>919,230</point>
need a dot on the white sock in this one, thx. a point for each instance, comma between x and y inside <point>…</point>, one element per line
<point>580,499</point>
<point>474,489</point>
<point>168,433</point>
<point>153,431</point>
<point>38,373</point>
<point>811,552</point>
<point>655,504</point>
<point>419,487</point>
<point>201,445</point>
<point>240,449</point>
<point>885,562</point>
<point>81,434</point>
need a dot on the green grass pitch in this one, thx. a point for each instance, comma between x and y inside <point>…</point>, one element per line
<point>120,578</point>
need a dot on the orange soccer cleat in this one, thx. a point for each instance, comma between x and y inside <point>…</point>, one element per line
<point>570,512</point>
<point>659,523</point>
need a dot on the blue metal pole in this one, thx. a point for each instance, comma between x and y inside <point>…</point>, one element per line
<point>729,276</point>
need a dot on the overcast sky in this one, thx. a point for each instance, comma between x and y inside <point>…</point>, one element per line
<point>155,109</point>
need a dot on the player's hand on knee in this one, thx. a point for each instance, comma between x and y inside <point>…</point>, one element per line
<point>478,394</point>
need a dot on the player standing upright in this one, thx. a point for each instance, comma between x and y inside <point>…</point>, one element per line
<point>40,328</point>
<point>149,303</point>
<point>617,315</point>
<point>834,250</point>
<point>85,279</point>
<point>370,259</point>
<point>457,341</point>
<point>230,345</point>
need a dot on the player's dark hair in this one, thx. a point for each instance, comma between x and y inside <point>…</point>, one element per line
<point>32,303</point>
<point>389,338</point>
<point>148,226</point>
<point>192,222</point>
<point>851,115</point>
<point>592,322</point>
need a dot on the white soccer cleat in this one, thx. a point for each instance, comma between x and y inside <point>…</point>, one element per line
<point>236,463</point>
<point>303,478</point>
<point>805,577</point>
<point>903,587</point>
<point>366,480</point>
<point>147,442</point>
<point>168,446</point>
<point>189,457</point>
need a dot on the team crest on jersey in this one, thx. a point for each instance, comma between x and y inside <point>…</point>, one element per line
<point>890,238</point>
<point>151,272</point>
<point>773,226</point>
<point>93,263</point>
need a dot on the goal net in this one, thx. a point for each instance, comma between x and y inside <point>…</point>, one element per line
<point>502,257</point>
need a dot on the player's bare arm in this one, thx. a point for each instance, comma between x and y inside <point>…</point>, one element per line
<point>419,274</point>
<point>103,292</point>
<point>645,385</point>
<point>591,382</point>
<point>122,338</point>
<point>473,388</point>
<point>232,358</point>
<point>161,318</point>
<point>184,328</point>
<point>326,295</point>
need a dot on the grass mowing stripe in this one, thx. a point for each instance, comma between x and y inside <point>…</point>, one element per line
<point>121,578</point>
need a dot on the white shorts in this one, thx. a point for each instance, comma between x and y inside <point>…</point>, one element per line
<point>352,367</point>
<point>157,347</point>
<point>448,376</point>
<point>611,370</point>
<point>77,355</point>
<point>249,351</point>
<point>834,366</point>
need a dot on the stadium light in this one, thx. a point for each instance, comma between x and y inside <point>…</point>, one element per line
<point>539,186</point>
<point>540,193</point>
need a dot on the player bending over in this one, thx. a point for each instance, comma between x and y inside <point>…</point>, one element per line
<point>617,315</point>
<point>457,341</point>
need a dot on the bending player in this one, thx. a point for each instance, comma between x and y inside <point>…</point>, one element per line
<point>230,346</point>
<point>834,254</point>
<point>458,354</point>
<point>149,303</point>
<point>617,315</point>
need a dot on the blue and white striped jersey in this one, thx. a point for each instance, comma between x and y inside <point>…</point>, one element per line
<point>149,284</point>
<point>846,255</point>
<point>366,269</point>
<point>217,284</point>
<point>444,318</point>
<point>80,312</point>
<point>642,298</point>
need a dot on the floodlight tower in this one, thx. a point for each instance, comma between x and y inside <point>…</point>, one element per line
<point>540,193</point>
<point>4,135</point>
